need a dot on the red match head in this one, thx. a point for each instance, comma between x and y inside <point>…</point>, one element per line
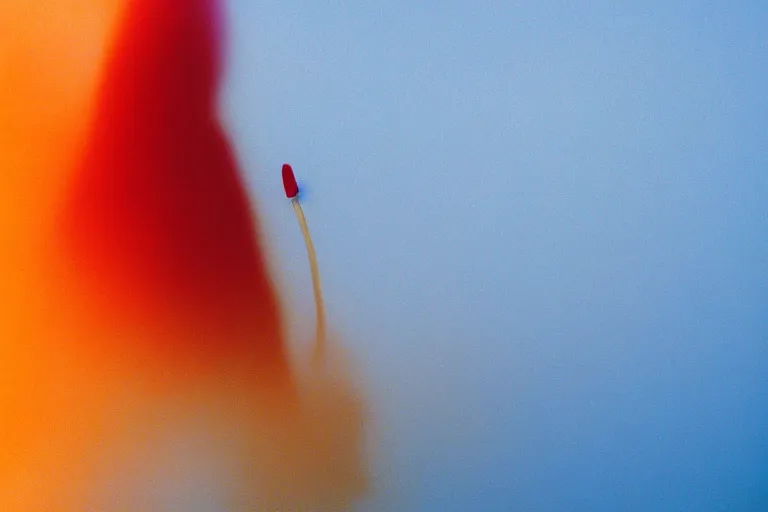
<point>289,182</point>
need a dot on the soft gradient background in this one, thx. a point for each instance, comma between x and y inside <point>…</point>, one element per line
<point>543,232</point>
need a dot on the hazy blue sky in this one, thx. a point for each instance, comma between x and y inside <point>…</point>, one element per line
<point>543,233</point>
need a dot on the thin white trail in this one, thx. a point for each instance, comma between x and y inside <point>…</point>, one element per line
<point>292,191</point>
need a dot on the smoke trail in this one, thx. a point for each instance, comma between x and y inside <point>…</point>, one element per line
<point>159,367</point>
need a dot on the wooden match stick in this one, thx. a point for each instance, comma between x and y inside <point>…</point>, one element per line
<point>292,192</point>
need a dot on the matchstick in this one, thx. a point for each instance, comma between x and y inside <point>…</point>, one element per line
<point>292,192</point>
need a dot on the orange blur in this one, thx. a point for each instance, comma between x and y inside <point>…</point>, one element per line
<point>50,57</point>
<point>135,296</point>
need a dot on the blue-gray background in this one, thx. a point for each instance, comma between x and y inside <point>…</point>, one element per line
<point>543,233</point>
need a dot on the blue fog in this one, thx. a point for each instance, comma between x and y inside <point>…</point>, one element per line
<point>543,233</point>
